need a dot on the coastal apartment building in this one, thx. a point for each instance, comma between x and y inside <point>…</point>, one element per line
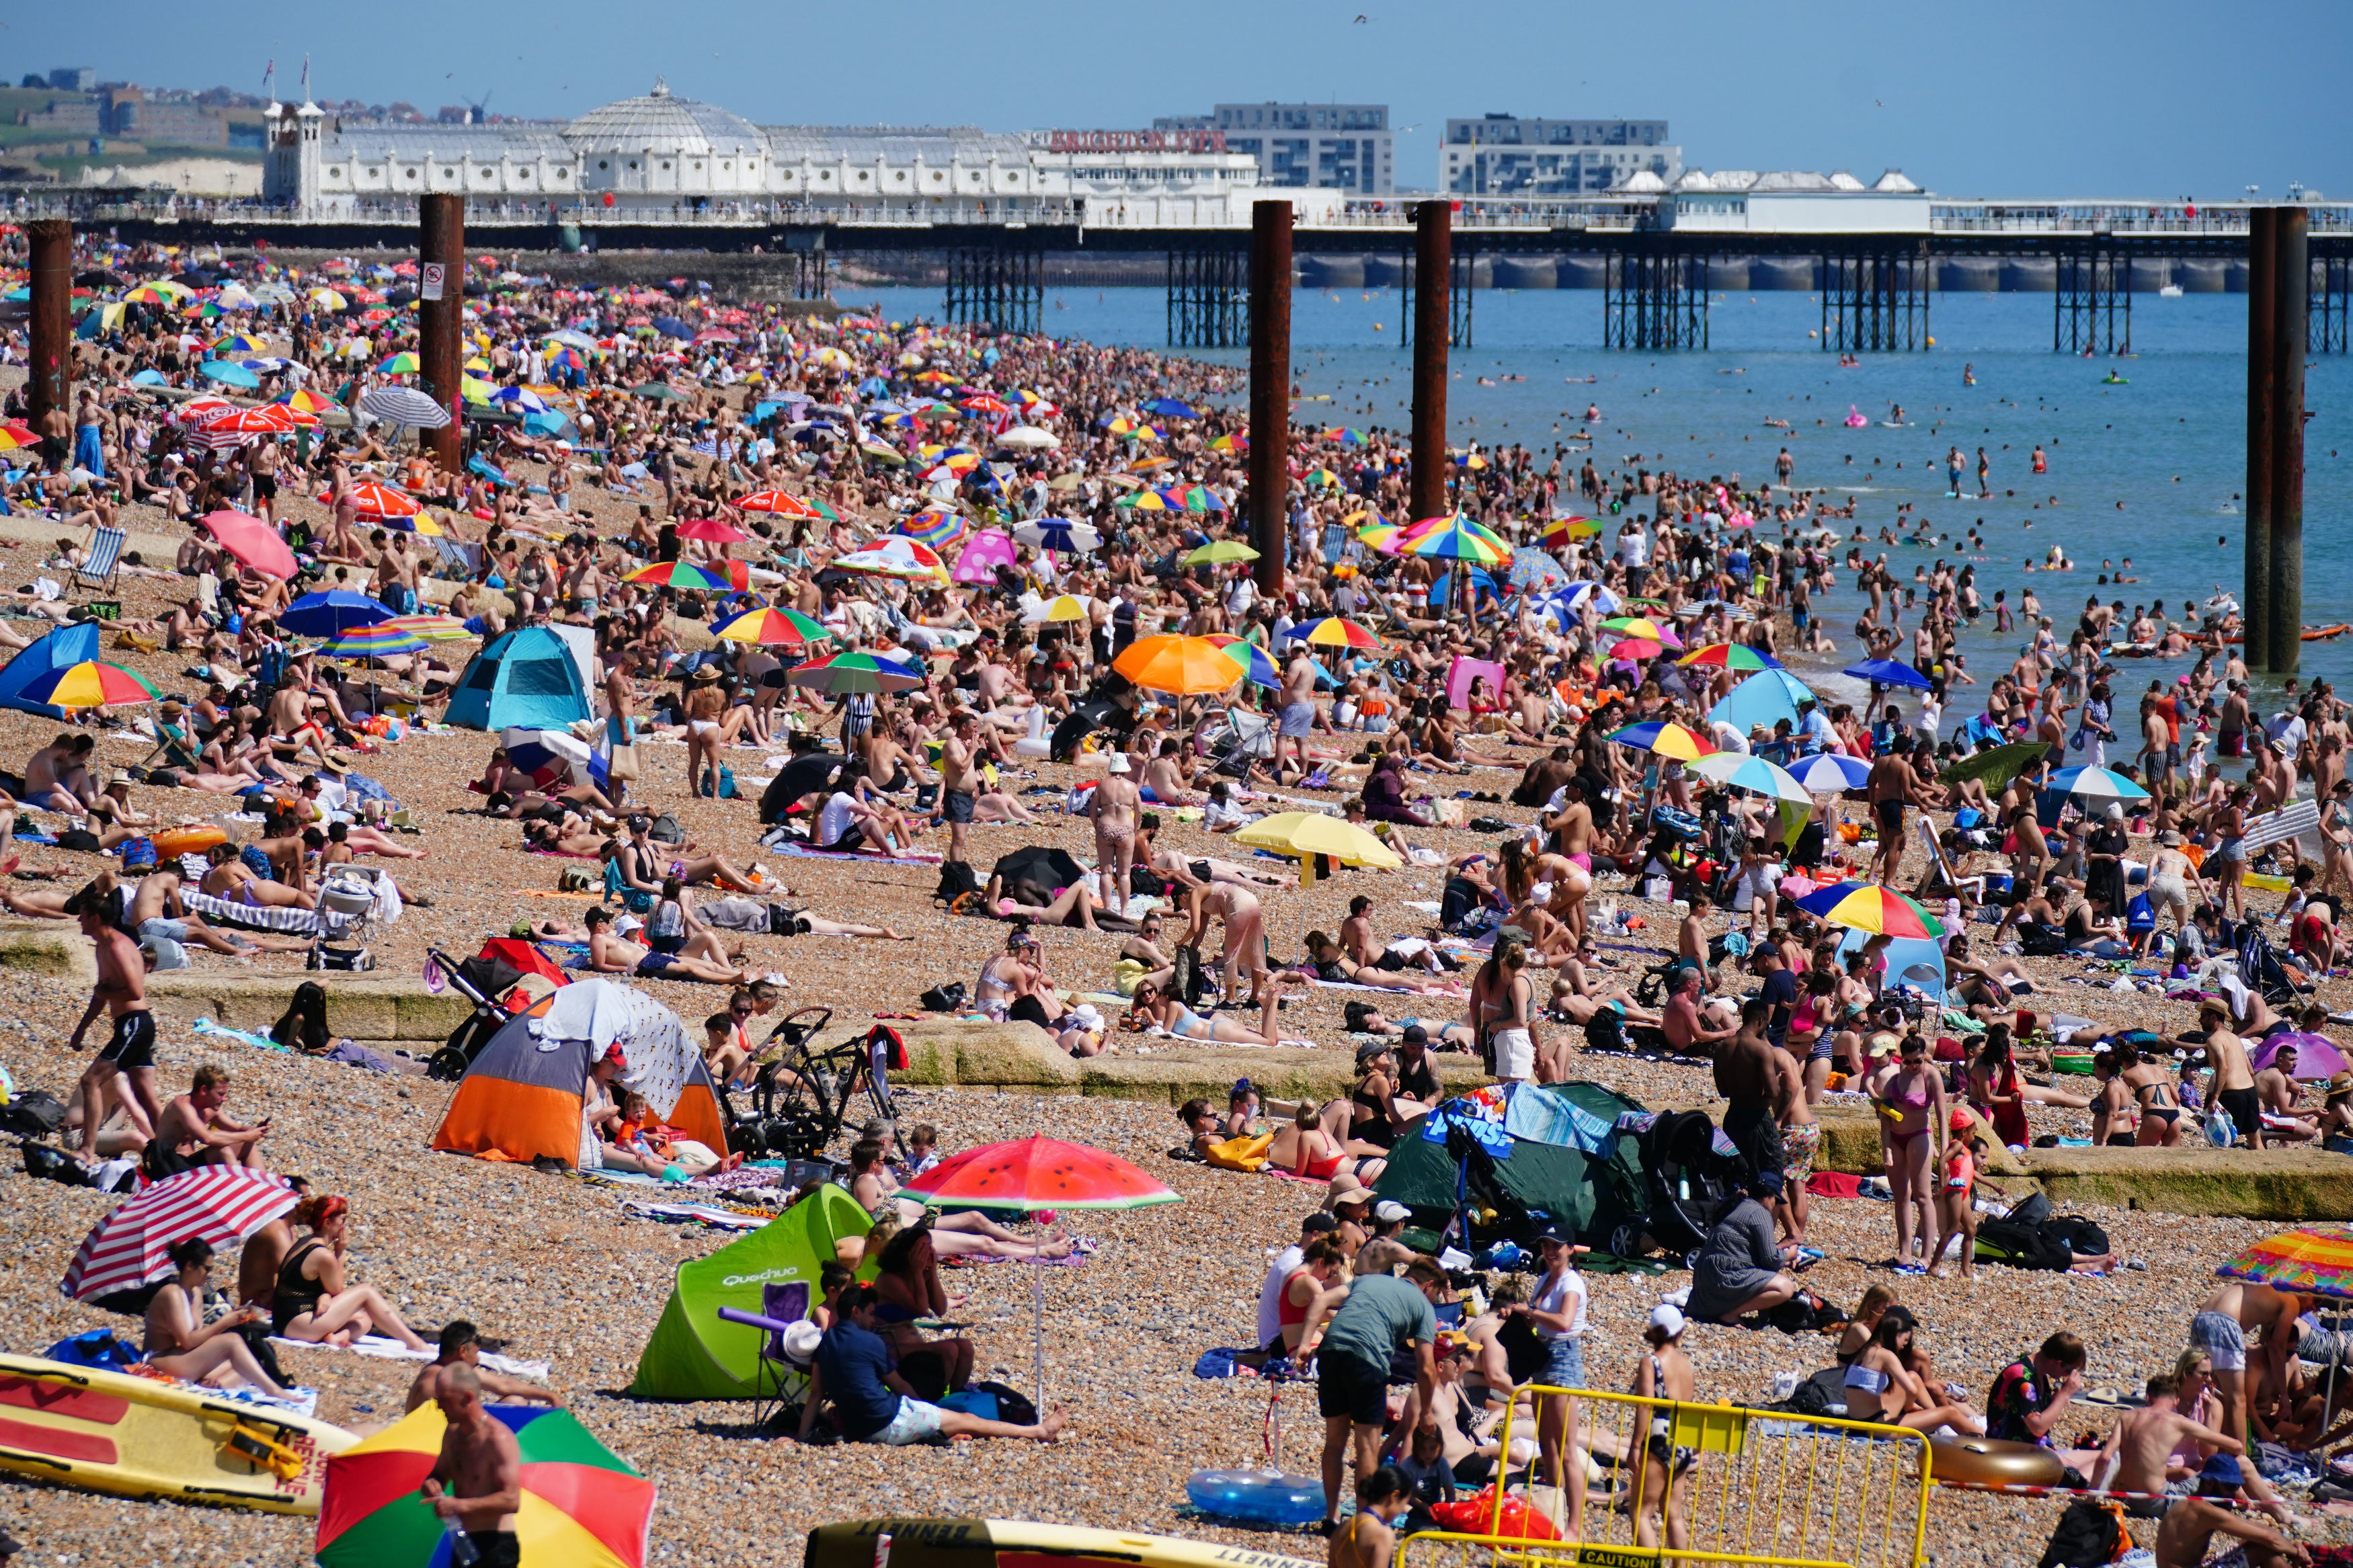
<point>1316,146</point>
<point>1507,155</point>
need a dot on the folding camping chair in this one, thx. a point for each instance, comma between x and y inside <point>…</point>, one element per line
<point>461,557</point>
<point>778,1381</point>
<point>99,572</point>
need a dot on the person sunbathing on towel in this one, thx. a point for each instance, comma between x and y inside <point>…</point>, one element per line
<point>233,879</point>
<point>313,1298</point>
<point>157,911</point>
<point>1329,964</point>
<point>543,837</point>
<point>461,1346</point>
<point>1154,1006</point>
<point>644,864</point>
<point>611,955</point>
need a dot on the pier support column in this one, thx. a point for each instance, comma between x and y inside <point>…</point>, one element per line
<point>1205,285</point>
<point>2263,288</point>
<point>50,383</point>
<point>2291,322</point>
<point>1270,388</point>
<point>1433,259</point>
<point>440,322</point>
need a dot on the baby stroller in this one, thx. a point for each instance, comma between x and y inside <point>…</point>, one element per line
<point>489,980</point>
<point>2261,971</point>
<point>1243,740</point>
<point>1691,1168</point>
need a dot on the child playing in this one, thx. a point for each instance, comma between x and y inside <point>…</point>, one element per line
<point>1428,1479</point>
<point>1368,1540</point>
<point>1957,1199</point>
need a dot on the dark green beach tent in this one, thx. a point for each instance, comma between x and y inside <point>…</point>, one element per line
<point>1594,1192</point>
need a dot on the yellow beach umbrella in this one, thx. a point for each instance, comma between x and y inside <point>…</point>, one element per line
<point>1307,834</point>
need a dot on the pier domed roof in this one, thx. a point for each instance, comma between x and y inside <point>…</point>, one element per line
<point>660,125</point>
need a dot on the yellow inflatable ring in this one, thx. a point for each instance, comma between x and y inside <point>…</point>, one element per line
<point>194,839</point>
<point>1990,1462</point>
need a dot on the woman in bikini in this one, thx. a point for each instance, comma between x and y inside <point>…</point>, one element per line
<point>1153,1005</point>
<point>1310,1297</point>
<point>231,878</point>
<point>1912,1106</point>
<point>2160,1112</point>
<point>1328,962</point>
<point>313,1300</point>
<point>179,1342</point>
<point>1665,1488</point>
<point>1308,1148</point>
<point>705,709</point>
<point>1883,1387</point>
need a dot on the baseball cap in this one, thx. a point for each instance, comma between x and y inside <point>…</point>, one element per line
<point>1388,1210</point>
<point>1415,1034</point>
<point>1668,1316</point>
<point>1882,1044</point>
<point>1319,1224</point>
<point>1962,1120</point>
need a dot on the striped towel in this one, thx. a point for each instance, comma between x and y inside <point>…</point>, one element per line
<point>284,922</point>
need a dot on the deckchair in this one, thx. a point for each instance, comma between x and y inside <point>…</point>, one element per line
<point>98,573</point>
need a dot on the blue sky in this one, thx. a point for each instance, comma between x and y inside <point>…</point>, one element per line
<point>1997,98</point>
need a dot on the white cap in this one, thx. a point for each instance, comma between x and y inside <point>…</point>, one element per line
<point>1666,1315</point>
<point>1388,1210</point>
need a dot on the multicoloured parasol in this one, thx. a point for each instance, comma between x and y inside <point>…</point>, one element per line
<point>92,683</point>
<point>2315,1260</point>
<point>677,575</point>
<point>1332,631</point>
<point>583,1505</point>
<point>1730,656</point>
<point>1667,740</point>
<point>771,627</point>
<point>856,672</point>
<point>1868,907</point>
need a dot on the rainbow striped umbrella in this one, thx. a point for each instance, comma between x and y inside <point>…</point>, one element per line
<point>1868,907</point>
<point>374,642</point>
<point>1460,539</point>
<point>1730,656</point>
<point>238,343</point>
<point>582,1505</point>
<point>770,625</point>
<point>940,530</point>
<point>1324,478</point>
<point>432,628</point>
<point>1256,667</point>
<point>1667,740</point>
<point>2315,1260</point>
<point>303,400</point>
<point>405,362</point>
<point>677,575</point>
<point>1333,632</point>
<point>92,683</point>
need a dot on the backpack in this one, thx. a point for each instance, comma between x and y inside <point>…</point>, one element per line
<point>666,830</point>
<point>1824,1394</point>
<point>956,879</point>
<point>945,998</point>
<point>2039,941</point>
<point>2018,1245</point>
<point>1606,1031</point>
<point>2089,1534</point>
<point>35,1112</point>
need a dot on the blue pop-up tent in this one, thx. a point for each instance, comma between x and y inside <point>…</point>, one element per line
<point>61,649</point>
<point>525,680</point>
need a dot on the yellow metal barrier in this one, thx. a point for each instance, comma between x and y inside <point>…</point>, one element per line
<point>1747,1486</point>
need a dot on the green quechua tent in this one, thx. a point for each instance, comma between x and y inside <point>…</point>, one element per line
<point>695,1354</point>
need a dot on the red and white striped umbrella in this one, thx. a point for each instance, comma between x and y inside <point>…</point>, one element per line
<point>130,1247</point>
<point>241,425</point>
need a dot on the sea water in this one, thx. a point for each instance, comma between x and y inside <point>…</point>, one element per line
<point>2152,470</point>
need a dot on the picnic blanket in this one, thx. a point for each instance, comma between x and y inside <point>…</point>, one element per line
<point>803,852</point>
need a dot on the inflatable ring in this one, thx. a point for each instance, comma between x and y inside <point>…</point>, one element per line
<point>1990,1462</point>
<point>194,839</point>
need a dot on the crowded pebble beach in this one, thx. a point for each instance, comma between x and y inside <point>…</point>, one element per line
<point>917,598</point>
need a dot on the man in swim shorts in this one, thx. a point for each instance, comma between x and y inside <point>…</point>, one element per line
<point>1297,705</point>
<point>611,955</point>
<point>127,1064</point>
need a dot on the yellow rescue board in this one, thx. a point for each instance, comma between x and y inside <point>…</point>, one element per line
<point>113,1432</point>
<point>1018,1543</point>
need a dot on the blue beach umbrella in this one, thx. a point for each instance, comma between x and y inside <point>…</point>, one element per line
<point>332,613</point>
<point>228,373</point>
<point>1534,571</point>
<point>1572,597</point>
<point>1761,700</point>
<point>1889,672</point>
<point>1171,407</point>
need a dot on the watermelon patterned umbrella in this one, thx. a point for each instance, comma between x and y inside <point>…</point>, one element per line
<point>583,1505</point>
<point>1038,1173</point>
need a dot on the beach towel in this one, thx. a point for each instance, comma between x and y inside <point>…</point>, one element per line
<point>392,1349</point>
